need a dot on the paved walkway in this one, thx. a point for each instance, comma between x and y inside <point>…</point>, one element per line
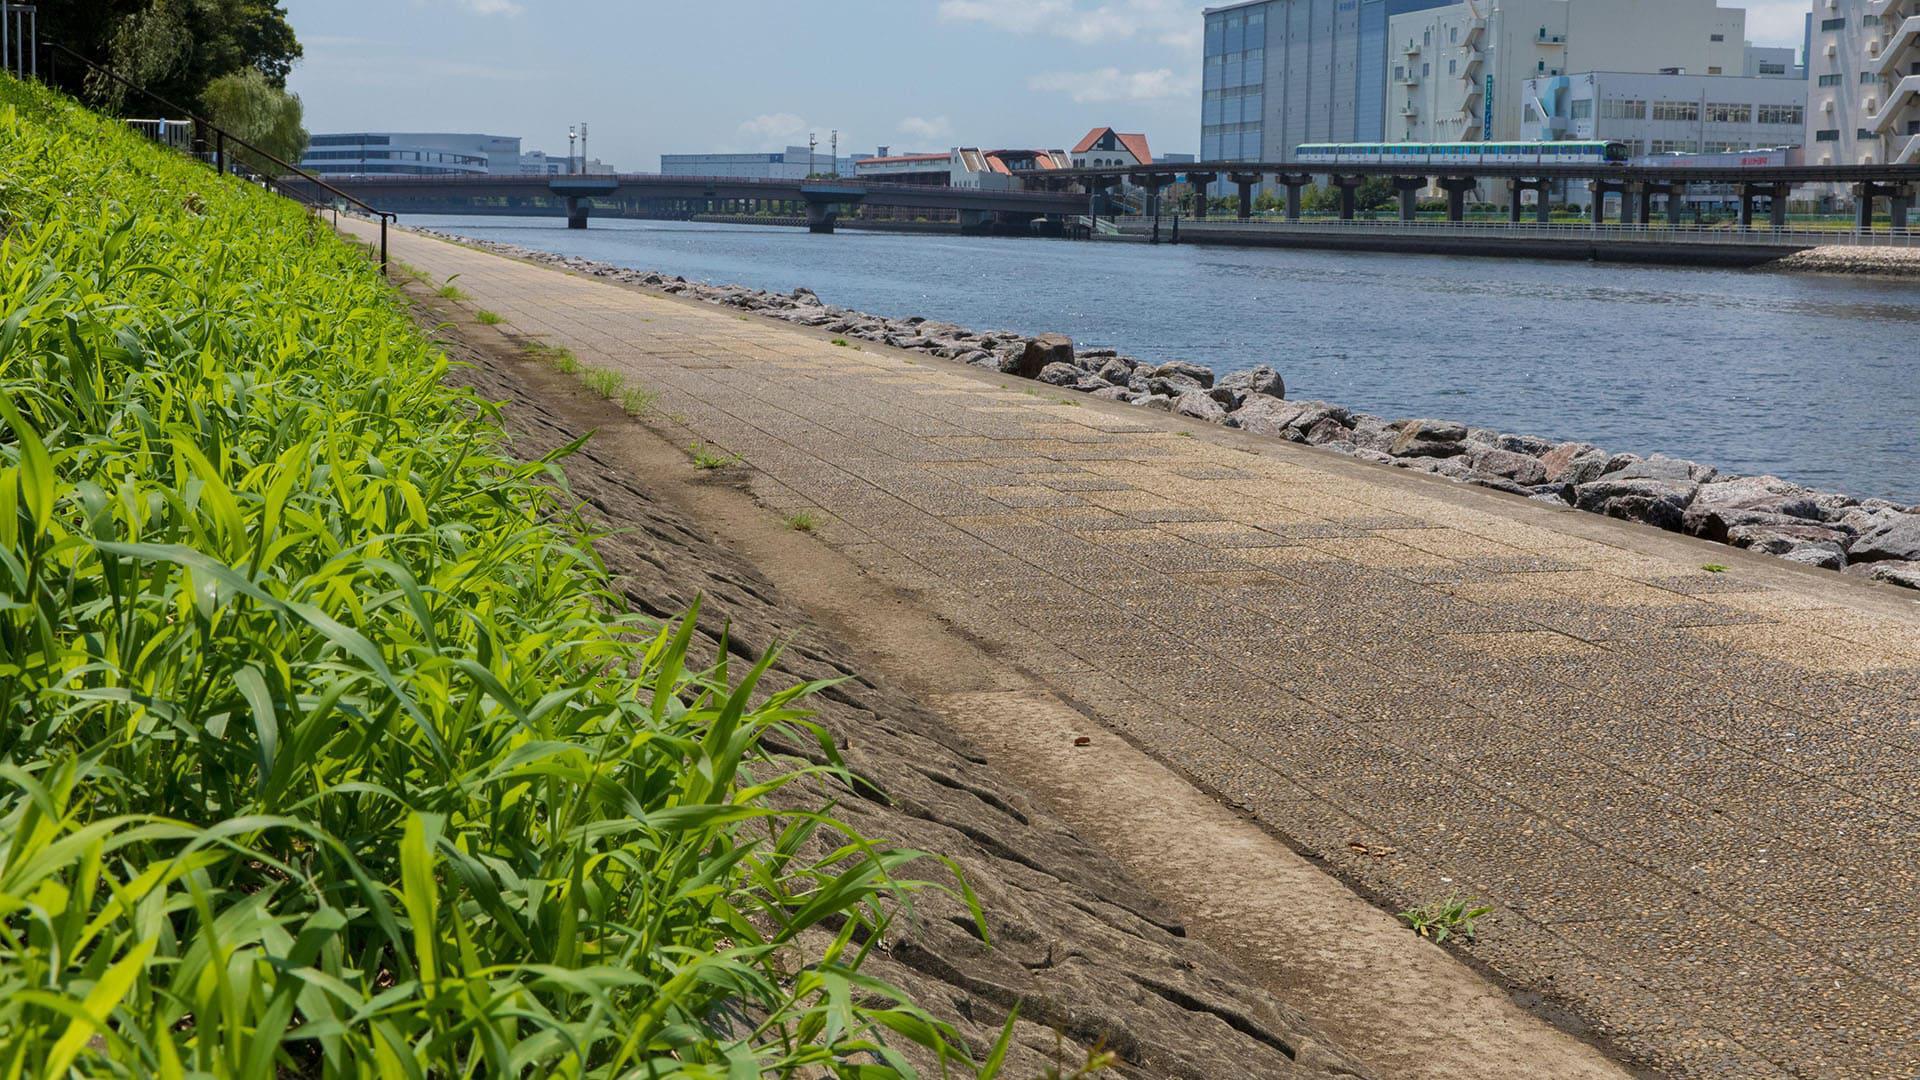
<point>1693,799</point>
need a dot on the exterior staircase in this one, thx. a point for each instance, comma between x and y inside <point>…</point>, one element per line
<point>1896,106</point>
<point>1899,46</point>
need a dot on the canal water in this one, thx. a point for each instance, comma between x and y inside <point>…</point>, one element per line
<point>1814,378</point>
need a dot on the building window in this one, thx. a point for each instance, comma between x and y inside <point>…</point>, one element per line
<point>1426,69</point>
<point>1674,146</point>
<point>1868,78</point>
<point>1829,135</point>
<point>1399,72</point>
<point>1713,70</point>
<point>1624,109</point>
<point>1772,69</point>
<point>1783,114</point>
<point>1581,109</point>
<point>1721,113</point>
<point>1716,37</point>
<point>1833,24</point>
<point>1688,111</point>
<point>1453,67</point>
<point>1864,135</point>
<point>1832,80</point>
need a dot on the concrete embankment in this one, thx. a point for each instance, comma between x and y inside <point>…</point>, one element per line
<point>1089,957</point>
<point>1569,245</point>
<point>1871,538</point>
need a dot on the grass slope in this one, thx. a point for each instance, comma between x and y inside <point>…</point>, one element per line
<point>320,754</point>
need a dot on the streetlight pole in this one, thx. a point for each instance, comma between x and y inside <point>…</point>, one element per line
<point>570,137</point>
<point>813,141</point>
<point>583,147</point>
<point>835,167</point>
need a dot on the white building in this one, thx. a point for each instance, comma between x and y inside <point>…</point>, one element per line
<point>1863,98</point>
<point>1454,71</point>
<point>411,153</point>
<point>1664,114</point>
<point>1104,147</point>
<point>793,163</point>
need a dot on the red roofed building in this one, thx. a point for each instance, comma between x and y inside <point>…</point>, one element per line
<point>1003,169</point>
<point>1105,148</point>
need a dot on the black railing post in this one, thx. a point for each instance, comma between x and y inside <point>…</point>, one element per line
<point>383,245</point>
<point>219,151</point>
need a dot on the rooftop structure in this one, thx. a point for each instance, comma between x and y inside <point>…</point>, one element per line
<point>1104,146</point>
<point>793,163</point>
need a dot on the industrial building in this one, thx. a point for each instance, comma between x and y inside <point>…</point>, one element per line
<point>1456,71</point>
<point>431,153</point>
<point>1278,73</point>
<point>1863,95</point>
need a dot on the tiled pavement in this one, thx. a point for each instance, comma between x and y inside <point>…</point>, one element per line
<point>1690,797</point>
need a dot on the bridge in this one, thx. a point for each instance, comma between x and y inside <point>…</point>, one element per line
<point>1637,185</point>
<point>823,200</point>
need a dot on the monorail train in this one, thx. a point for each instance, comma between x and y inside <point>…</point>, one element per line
<point>1474,153</point>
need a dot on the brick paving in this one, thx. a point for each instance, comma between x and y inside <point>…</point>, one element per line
<point>1690,797</point>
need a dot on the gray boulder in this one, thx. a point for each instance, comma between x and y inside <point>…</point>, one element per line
<point>1200,405</point>
<point>1155,401</point>
<point>1898,537</point>
<point>1663,467</point>
<point>1329,432</point>
<point>1372,433</point>
<point>1113,393</point>
<point>1510,465</point>
<point>1895,573</point>
<point>1822,556</point>
<point>1188,369</point>
<point>1173,385</point>
<point>1657,502</point>
<point>1530,445</point>
<point>1429,438</point>
<point>1264,415</point>
<point>1041,351</point>
<point>1256,380</point>
<point>1058,374</point>
<point>1115,371</point>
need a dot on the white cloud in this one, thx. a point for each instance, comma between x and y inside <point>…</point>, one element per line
<point>1175,23</point>
<point>774,129</point>
<point>929,129</point>
<point>1112,84</point>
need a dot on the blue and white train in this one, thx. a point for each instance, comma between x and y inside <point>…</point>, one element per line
<point>1473,153</point>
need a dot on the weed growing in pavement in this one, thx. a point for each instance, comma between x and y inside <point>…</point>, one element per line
<point>1714,568</point>
<point>489,318</point>
<point>329,749</point>
<point>705,457</point>
<point>802,521</point>
<point>451,291</point>
<point>638,400</point>
<point>1453,917</point>
<point>1183,434</point>
<point>842,342</point>
<point>603,382</point>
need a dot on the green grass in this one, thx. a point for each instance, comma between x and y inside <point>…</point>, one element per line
<point>1714,568</point>
<point>322,751</point>
<point>802,521</point>
<point>637,400</point>
<point>1454,917</point>
<point>706,457</point>
<point>489,318</point>
<point>451,292</point>
<point>842,342</point>
<point>603,381</point>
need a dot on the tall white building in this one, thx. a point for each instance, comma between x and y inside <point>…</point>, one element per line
<point>1455,72</point>
<point>1863,97</point>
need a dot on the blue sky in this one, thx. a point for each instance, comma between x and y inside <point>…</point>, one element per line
<point>669,76</point>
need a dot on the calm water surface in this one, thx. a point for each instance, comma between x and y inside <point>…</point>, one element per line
<point>1813,378</point>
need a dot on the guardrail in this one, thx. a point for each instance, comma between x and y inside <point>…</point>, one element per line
<point>1700,234</point>
<point>218,150</point>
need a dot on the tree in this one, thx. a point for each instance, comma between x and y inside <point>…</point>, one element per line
<point>246,104</point>
<point>175,48</point>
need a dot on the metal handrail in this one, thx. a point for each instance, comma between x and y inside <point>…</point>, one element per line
<point>221,137</point>
<point>1569,230</point>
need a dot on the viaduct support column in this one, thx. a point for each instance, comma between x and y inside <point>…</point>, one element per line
<point>1864,195</point>
<point>1245,182</point>
<point>1749,194</point>
<point>1456,188</point>
<point>1900,202</point>
<point>576,212</point>
<point>1782,195</point>
<point>1293,182</point>
<point>1603,188</point>
<point>1676,202</point>
<point>1409,188</point>
<point>1201,181</point>
<point>1348,186</point>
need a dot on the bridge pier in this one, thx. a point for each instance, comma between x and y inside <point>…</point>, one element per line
<point>1293,182</point>
<point>1349,187</point>
<point>1676,202</point>
<point>1543,209</point>
<point>1899,198</point>
<point>1456,188</point>
<point>1899,205</point>
<point>1603,188</point>
<point>822,215</point>
<point>1245,182</point>
<point>1409,189</point>
<point>576,212</point>
<point>1201,181</point>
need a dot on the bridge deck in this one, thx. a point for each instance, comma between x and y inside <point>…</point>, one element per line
<point>1692,798</point>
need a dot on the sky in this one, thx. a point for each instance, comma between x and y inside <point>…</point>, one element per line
<point>689,76</point>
